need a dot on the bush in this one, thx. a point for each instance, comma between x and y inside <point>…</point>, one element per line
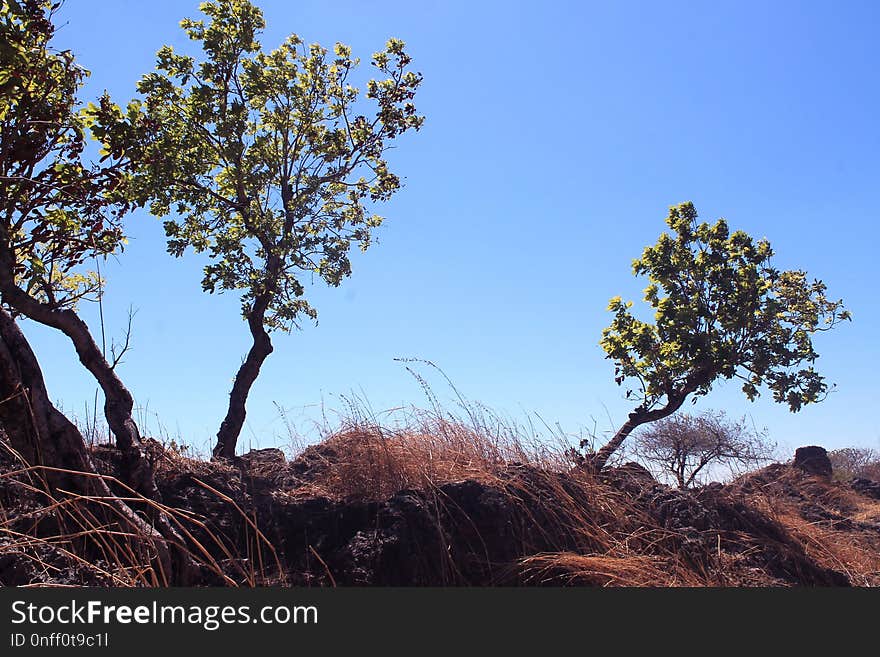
<point>852,462</point>
<point>684,447</point>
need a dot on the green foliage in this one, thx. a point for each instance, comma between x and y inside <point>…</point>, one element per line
<point>266,161</point>
<point>56,211</point>
<point>721,310</point>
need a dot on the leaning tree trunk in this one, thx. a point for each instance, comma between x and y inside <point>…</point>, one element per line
<point>43,438</point>
<point>137,472</point>
<point>34,428</point>
<point>118,402</point>
<point>635,419</point>
<point>230,428</point>
<point>674,399</point>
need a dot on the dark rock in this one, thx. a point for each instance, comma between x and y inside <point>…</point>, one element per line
<point>313,460</point>
<point>682,510</point>
<point>15,568</point>
<point>631,477</point>
<point>261,458</point>
<point>866,487</point>
<point>813,460</point>
<point>264,470</point>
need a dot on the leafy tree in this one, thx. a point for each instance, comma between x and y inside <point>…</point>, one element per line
<point>265,161</point>
<point>721,311</point>
<point>57,213</point>
<point>684,446</point>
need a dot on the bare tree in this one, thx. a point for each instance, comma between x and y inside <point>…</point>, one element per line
<point>852,462</point>
<point>684,446</point>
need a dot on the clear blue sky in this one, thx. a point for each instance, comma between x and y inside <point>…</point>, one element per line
<point>557,135</point>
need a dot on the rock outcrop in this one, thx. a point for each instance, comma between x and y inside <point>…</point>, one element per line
<point>814,460</point>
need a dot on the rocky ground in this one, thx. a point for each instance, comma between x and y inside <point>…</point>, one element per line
<point>311,521</point>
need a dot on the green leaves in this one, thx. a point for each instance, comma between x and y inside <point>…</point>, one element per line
<point>721,310</point>
<point>268,159</point>
<point>57,211</point>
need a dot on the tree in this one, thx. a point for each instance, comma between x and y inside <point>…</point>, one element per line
<point>684,446</point>
<point>850,462</point>
<point>268,162</point>
<point>721,311</point>
<point>57,213</point>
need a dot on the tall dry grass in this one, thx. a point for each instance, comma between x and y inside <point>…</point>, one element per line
<point>846,541</point>
<point>573,527</point>
<point>86,539</point>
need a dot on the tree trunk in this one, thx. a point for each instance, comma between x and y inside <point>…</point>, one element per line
<point>640,416</point>
<point>118,402</point>
<point>137,472</point>
<point>42,436</point>
<point>230,429</point>
<point>682,482</point>
<point>635,419</point>
<point>32,425</point>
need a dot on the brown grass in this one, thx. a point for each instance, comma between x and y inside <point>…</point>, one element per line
<point>857,554</point>
<point>566,568</point>
<point>572,528</point>
<point>854,551</point>
<point>366,462</point>
<point>374,463</point>
<point>117,555</point>
<point>618,542</point>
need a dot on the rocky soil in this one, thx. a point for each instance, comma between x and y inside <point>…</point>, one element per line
<point>265,520</point>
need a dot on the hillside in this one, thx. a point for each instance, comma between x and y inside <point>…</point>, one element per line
<point>367,507</point>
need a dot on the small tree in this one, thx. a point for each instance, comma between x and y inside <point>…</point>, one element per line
<point>720,311</point>
<point>684,446</point>
<point>268,163</point>
<point>852,462</point>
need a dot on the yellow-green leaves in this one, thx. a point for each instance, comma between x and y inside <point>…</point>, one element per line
<point>721,311</point>
<point>59,210</point>
<point>270,158</point>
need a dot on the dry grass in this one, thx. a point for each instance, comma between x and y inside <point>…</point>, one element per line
<point>559,507</point>
<point>89,540</point>
<point>366,456</point>
<point>374,463</point>
<point>840,545</point>
<point>567,527</point>
<point>857,554</point>
<point>618,543</point>
<point>566,568</point>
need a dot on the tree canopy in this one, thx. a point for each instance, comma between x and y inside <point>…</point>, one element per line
<point>261,158</point>
<point>721,311</point>
<point>57,210</point>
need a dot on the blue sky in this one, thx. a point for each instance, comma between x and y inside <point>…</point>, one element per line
<point>557,135</point>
